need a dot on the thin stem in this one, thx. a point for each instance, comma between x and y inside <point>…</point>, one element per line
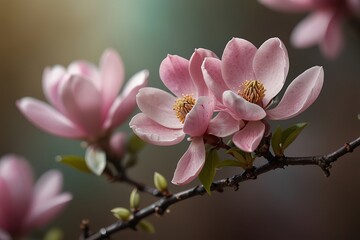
<point>160,206</point>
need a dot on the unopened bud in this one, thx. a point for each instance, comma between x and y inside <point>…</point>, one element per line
<point>134,199</point>
<point>121,213</point>
<point>160,182</point>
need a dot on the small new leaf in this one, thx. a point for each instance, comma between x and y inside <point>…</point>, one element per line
<point>229,163</point>
<point>291,133</point>
<point>54,234</point>
<point>76,162</point>
<point>121,213</point>
<point>134,199</point>
<point>135,144</point>
<point>237,153</point>
<point>95,160</point>
<point>160,182</point>
<point>146,226</point>
<point>276,142</point>
<point>207,174</point>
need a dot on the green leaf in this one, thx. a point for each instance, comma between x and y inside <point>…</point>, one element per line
<point>244,159</point>
<point>95,160</point>
<point>121,213</point>
<point>134,199</point>
<point>146,226</point>
<point>76,162</point>
<point>237,153</point>
<point>54,234</point>
<point>291,133</point>
<point>135,144</point>
<point>207,174</point>
<point>229,163</point>
<point>276,142</point>
<point>130,160</point>
<point>160,182</point>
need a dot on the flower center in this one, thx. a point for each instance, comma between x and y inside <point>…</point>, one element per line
<point>252,91</point>
<point>183,106</point>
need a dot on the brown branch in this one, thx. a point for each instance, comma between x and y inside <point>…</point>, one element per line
<point>160,206</point>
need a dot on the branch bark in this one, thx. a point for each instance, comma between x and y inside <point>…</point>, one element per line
<point>159,207</point>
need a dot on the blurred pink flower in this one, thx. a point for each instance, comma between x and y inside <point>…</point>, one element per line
<point>84,98</point>
<point>166,119</point>
<point>247,79</point>
<point>24,207</point>
<point>322,26</point>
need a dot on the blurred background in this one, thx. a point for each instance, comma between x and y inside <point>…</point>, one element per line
<point>295,203</point>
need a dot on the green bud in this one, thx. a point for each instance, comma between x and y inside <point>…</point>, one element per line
<point>134,199</point>
<point>75,162</point>
<point>54,234</point>
<point>121,213</point>
<point>146,226</point>
<point>160,182</point>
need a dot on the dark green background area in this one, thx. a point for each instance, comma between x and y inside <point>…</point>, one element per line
<point>295,203</point>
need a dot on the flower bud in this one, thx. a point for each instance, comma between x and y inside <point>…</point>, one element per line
<point>160,182</point>
<point>121,213</point>
<point>134,199</point>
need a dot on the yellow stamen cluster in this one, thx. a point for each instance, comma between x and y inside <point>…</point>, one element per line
<point>252,91</point>
<point>183,106</point>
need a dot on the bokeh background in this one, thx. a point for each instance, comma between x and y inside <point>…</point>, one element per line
<point>295,203</point>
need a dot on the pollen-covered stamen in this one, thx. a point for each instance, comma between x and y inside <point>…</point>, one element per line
<point>252,91</point>
<point>183,106</point>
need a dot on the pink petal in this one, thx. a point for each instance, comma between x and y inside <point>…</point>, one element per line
<point>174,72</point>
<point>47,211</point>
<point>333,40</point>
<point>195,63</point>
<point>191,163</point>
<point>48,119</point>
<point>154,133</point>
<point>237,63</point>
<point>311,30</point>
<point>290,5</point>
<point>212,74</point>
<point>241,108</point>
<point>125,104</point>
<point>353,6</point>
<point>82,103</point>
<point>51,81</point>
<point>17,176</point>
<point>197,120</point>
<point>223,125</point>
<point>47,187</point>
<point>158,105</point>
<point>47,200</point>
<point>4,235</point>
<point>271,66</point>
<point>5,206</point>
<point>248,138</point>
<point>86,70</point>
<point>112,76</point>
<point>300,94</point>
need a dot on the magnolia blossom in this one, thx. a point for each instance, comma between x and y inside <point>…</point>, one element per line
<point>247,79</point>
<point>84,98</point>
<point>322,26</point>
<point>23,206</point>
<point>166,119</point>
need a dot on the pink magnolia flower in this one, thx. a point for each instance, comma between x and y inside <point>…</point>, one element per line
<point>84,98</point>
<point>166,119</point>
<point>322,26</point>
<point>247,79</point>
<point>24,207</point>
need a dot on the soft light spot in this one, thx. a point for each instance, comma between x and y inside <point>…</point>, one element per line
<point>183,106</point>
<point>253,91</point>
